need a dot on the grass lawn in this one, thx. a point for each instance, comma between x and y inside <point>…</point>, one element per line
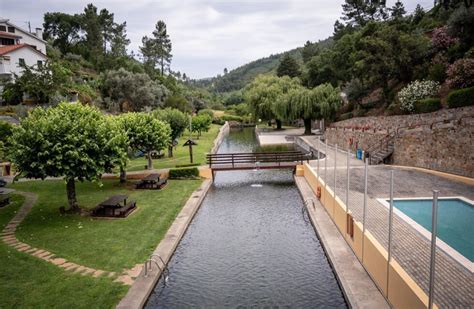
<point>112,245</point>
<point>108,244</point>
<point>180,153</point>
<point>29,282</point>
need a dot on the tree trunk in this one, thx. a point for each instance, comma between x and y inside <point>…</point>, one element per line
<point>307,126</point>
<point>71,195</point>
<point>170,151</point>
<point>150,161</point>
<point>278,122</point>
<point>123,175</point>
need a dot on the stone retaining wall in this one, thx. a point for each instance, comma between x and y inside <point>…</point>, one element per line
<point>443,140</point>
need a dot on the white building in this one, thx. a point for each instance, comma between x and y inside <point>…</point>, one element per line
<point>19,46</point>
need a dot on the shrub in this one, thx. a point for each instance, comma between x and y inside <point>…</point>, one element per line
<point>231,118</point>
<point>416,91</point>
<point>182,173</point>
<point>206,111</point>
<point>461,74</point>
<point>427,105</point>
<point>462,97</point>
<point>360,112</point>
<point>437,72</point>
<point>441,39</point>
<point>188,165</point>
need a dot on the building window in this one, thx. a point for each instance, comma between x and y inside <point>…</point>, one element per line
<point>21,61</point>
<point>3,28</point>
<point>40,63</point>
<point>7,41</point>
<point>11,29</point>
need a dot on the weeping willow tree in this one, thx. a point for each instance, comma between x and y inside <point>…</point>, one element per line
<point>321,102</point>
<point>265,92</point>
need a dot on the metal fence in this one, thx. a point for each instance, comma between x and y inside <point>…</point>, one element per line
<point>368,192</point>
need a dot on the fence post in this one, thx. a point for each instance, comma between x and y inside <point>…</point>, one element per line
<point>326,165</point>
<point>335,166</point>
<point>364,211</point>
<point>434,226</point>
<point>348,182</point>
<point>390,229</point>
<point>317,149</point>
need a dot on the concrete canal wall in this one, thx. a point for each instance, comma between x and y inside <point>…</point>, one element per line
<point>400,290</point>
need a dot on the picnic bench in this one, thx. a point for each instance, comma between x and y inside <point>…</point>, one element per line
<point>152,181</point>
<point>4,196</point>
<point>114,206</point>
<point>157,155</point>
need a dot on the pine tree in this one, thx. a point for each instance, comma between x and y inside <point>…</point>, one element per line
<point>91,25</point>
<point>357,13</point>
<point>119,40</point>
<point>309,50</point>
<point>398,10</point>
<point>288,67</point>
<point>157,49</point>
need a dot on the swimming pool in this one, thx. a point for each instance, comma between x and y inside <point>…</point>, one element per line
<point>455,220</point>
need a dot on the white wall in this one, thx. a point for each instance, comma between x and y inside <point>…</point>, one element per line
<point>27,38</point>
<point>31,58</point>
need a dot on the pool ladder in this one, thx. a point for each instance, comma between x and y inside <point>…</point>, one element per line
<point>164,268</point>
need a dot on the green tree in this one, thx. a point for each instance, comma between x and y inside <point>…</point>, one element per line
<point>201,123</point>
<point>288,67</point>
<point>178,102</point>
<point>6,130</point>
<point>264,92</point>
<point>40,82</point>
<point>71,141</point>
<point>157,49</point>
<point>321,102</point>
<point>397,11</point>
<point>145,133</point>
<point>91,24</point>
<point>135,90</point>
<point>177,121</point>
<point>63,30</point>
<point>309,51</point>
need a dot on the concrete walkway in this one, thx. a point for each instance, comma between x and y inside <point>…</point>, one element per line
<point>9,238</point>
<point>358,287</point>
<point>454,283</point>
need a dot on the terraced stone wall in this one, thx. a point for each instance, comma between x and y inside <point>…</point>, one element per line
<point>442,141</point>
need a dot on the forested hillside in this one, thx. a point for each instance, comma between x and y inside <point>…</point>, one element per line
<point>236,79</point>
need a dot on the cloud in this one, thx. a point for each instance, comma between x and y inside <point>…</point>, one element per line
<point>209,35</point>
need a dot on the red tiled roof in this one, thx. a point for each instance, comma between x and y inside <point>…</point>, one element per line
<point>9,48</point>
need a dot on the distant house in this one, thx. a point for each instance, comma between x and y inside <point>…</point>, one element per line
<point>19,46</point>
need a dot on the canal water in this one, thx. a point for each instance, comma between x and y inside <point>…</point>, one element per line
<point>249,246</point>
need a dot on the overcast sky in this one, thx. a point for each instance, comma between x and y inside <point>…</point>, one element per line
<point>208,36</point>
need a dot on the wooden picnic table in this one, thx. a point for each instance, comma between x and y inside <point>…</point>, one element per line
<point>115,202</point>
<point>151,181</point>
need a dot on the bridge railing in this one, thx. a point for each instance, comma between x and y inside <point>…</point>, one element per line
<point>234,159</point>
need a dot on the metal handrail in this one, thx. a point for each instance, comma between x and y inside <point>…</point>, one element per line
<point>163,269</point>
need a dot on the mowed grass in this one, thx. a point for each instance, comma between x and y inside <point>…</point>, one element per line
<point>29,282</point>
<point>180,153</point>
<point>107,244</point>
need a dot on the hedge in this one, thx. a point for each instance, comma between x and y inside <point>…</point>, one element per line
<point>427,105</point>
<point>346,116</point>
<point>188,165</point>
<point>180,173</point>
<point>461,97</point>
<point>231,118</point>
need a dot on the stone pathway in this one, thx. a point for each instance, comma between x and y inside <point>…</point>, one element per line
<point>8,236</point>
<point>454,283</point>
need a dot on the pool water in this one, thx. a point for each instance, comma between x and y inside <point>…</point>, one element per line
<point>249,246</point>
<point>455,221</point>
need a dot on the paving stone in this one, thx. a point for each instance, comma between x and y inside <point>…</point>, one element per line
<point>29,251</point>
<point>124,279</point>
<point>72,266</point>
<point>88,271</point>
<point>80,269</point>
<point>58,261</point>
<point>98,273</point>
